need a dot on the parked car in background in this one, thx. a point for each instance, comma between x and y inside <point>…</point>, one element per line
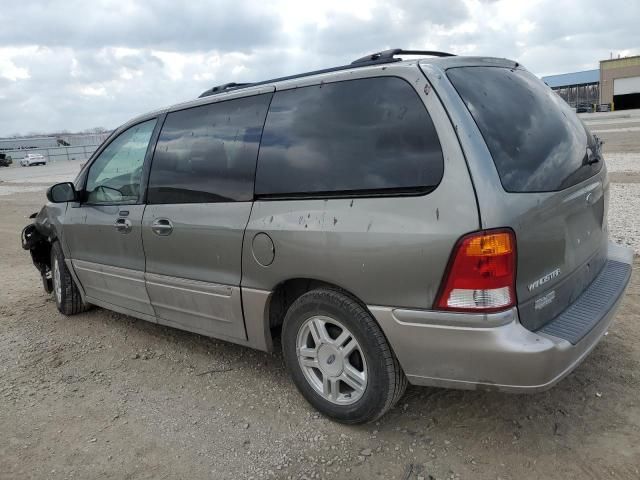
<point>439,222</point>
<point>5,160</point>
<point>584,108</point>
<point>31,159</point>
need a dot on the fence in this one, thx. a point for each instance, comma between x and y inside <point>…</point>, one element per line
<point>55,154</point>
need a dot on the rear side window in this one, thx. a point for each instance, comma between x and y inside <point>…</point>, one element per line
<point>366,136</point>
<point>208,154</point>
<point>537,142</point>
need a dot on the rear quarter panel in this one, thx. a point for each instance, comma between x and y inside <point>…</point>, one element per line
<point>542,221</point>
<point>387,251</point>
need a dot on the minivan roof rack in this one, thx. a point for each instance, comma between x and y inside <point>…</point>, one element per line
<point>386,56</point>
<point>223,88</point>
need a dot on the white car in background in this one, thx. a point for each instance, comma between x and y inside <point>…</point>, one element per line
<point>33,159</point>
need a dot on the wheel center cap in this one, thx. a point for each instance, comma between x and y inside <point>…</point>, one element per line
<point>330,360</point>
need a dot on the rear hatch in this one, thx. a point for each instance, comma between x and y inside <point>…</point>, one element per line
<point>551,171</point>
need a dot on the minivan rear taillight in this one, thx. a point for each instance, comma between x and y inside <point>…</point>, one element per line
<point>481,273</point>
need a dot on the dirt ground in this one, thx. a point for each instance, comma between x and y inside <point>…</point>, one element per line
<point>102,395</point>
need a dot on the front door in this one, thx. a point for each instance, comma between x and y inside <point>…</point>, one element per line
<point>104,231</point>
<point>198,204</point>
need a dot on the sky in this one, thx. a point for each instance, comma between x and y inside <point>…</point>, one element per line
<point>74,65</point>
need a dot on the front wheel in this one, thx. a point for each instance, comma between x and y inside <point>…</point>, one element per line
<point>339,358</point>
<point>65,291</point>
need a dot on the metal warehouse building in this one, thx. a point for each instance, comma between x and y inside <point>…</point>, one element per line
<point>65,140</point>
<point>616,83</point>
<point>60,147</point>
<point>576,88</point>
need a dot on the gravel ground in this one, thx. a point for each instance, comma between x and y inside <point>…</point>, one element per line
<point>10,189</point>
<point>624,216</point>
<point>624,199</point>
<point>102,395</point>
<point>623,162</point>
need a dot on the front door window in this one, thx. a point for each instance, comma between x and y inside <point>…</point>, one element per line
<point>114,177</point>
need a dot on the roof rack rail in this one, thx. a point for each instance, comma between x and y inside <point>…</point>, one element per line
<point>223,88</point>
<point>387,56</point>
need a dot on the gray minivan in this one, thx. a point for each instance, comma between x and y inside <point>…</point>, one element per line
<point>440,221</point>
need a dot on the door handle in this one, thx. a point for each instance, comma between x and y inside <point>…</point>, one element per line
<point>162,226</point>
<point>123,225</point>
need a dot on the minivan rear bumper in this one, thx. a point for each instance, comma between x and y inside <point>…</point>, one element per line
<point>494,351</point>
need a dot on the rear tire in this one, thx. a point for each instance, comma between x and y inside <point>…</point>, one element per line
<point>66,293</point>
<point>339,358</point>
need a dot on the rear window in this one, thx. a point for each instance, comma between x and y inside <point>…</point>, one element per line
<point>537,142</point>
<point>356,137</point>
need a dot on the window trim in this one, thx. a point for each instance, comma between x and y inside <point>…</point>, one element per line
<point>419,191</point>
<point>338,194</point>
<point>159,118</point>
<point>148,162</point>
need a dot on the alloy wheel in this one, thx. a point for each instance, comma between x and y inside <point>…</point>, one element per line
<point>332,360</point>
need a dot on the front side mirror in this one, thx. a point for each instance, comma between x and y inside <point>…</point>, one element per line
<point>62,192</point>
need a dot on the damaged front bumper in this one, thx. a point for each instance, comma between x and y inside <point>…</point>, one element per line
<point>40,248</point>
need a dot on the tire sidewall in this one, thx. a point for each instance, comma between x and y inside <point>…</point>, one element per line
<point>65,280</point>
<point>319,303</point>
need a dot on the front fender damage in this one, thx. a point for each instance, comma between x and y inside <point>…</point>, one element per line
<point>35,238</point>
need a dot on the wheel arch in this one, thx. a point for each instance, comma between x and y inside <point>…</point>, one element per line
<point>288,291</point>
<point>264,311</point>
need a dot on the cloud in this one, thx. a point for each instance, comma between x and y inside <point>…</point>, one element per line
<point>401,24</point>
<point>161,24</point>
<point>75,65</point>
